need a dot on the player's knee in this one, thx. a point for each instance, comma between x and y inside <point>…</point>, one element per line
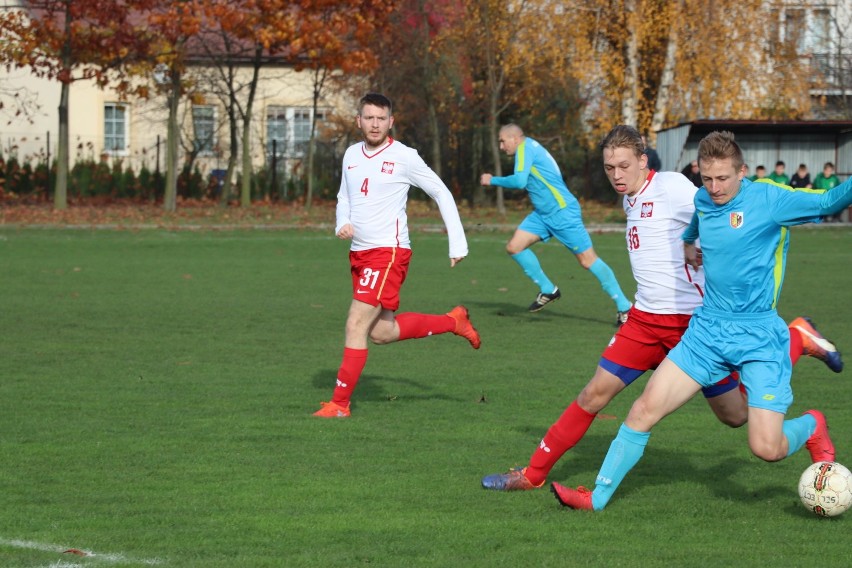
<point>593,400</point>
<point>734,421</point>
<point>767,452</point>
<point>513,249</point>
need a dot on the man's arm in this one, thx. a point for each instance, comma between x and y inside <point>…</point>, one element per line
<point>523,166</point>
<point>342,227</point>
<point>423,177</point>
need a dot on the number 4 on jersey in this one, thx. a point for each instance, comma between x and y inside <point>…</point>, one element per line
<point>364,186</point>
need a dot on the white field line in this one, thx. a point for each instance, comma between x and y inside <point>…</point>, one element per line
<point>102,556</point>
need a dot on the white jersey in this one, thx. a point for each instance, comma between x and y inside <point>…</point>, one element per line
<point>656,218</point>
<point>374,191</point>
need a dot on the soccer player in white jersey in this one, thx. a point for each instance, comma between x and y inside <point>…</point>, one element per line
<point>659,206</point>
<point>377,174</point>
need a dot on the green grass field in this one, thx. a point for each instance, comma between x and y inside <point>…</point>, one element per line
<point>156,389</point>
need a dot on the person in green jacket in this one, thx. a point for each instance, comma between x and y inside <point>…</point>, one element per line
<point>778,176</point>
<point>826,180</point>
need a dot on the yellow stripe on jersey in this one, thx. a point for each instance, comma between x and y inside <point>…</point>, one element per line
<point>778,271</point>
<point>520,157</point>
<point>559,199</point>
<point>789,188</point>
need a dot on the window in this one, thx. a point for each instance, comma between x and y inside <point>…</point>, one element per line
<point>276,131</point>
<point>115,128</point>
<point>204,128</point>
<point>289,130</point>
<point>794,29</point>
<point>822,31</point>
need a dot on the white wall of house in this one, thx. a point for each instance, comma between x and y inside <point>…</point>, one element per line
<point>102,126</point>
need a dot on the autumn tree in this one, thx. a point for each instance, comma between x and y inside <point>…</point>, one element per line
<point>171,25</point>
<point>68,41</point>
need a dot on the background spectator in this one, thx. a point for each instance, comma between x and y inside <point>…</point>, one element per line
<point>759,173</point>
<point>692,174</point>
<point>654,162</point>
<point>802,178</point>
<point>778,176</point>
<point>827,179</point>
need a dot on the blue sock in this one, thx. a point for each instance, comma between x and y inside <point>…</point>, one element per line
<point>529,262</point>
<point>798,430</point>
<point>624,452</point>
<point>606,277</point>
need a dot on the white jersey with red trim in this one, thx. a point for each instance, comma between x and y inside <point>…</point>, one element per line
<point>374,191</point>
<point>656,218</point>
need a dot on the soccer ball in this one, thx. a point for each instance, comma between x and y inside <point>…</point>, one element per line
<point>826,488</point>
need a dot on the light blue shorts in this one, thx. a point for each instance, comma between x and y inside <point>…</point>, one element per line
<point>566,225</point>
<point>756,345</point>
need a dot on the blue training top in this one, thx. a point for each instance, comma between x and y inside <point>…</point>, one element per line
<point>744,242</point>
<point>537,172</point>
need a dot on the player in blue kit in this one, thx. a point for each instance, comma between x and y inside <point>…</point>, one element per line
<point>744,231</point>
<point>556,213</point>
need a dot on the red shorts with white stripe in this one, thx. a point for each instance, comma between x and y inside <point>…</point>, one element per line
<point>378,274</point>
<point>644,341</point>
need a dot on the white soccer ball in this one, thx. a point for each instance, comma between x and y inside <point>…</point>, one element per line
<point>826,488</point>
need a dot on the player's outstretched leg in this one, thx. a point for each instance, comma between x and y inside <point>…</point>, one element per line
<point>513,480</point>
<point>817,346</point>
<point>463,327</point>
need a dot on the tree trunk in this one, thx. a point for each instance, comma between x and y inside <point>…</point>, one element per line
<point>494,143</point>
<point>434,127</point>
<point>630,99</point>
<point>661,106</point>
<point>60,195</point>
<point>319,82</point>
<point>245,185</point>
<point>172,142</point>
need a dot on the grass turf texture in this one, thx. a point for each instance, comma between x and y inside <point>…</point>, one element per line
<point>157,388</point>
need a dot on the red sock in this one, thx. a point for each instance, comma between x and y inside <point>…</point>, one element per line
<point>797,348</point>
<point>561,437</point>
<point>348,375</point>
<point>415,326</point>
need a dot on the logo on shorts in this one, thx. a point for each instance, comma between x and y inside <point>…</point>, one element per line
<point>387,167</point>
<point>647,210</point>
<point>769,397</point>
<point>736,219</point>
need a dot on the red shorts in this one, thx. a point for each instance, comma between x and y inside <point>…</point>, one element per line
<point>645,339</point>
<point>378,274</point>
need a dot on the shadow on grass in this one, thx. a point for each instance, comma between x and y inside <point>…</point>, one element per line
<point>378,388</point>
<point>662,467</point>
<point>519,311</point>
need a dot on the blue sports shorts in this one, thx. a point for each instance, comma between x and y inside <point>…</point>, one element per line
<point>565,224</point>
<point>756,345</point>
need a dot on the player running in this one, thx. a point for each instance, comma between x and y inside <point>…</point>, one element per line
<point>556,213</point>
<point>377,174</point>
<point>659,206</point>
<point>744,233</point>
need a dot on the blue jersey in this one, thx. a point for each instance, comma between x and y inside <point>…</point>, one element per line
<point>537,172</point>
<point>744,242</point>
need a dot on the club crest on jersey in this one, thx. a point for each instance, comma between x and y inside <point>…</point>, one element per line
<point>647,210</point>
<point>737,219</point>
<point>387,167</point>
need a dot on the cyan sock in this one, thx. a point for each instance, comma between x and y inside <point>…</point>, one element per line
<point>797,431</point>
<point>606,277</point>
<point>624,452</point>
<point>532,268</point>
